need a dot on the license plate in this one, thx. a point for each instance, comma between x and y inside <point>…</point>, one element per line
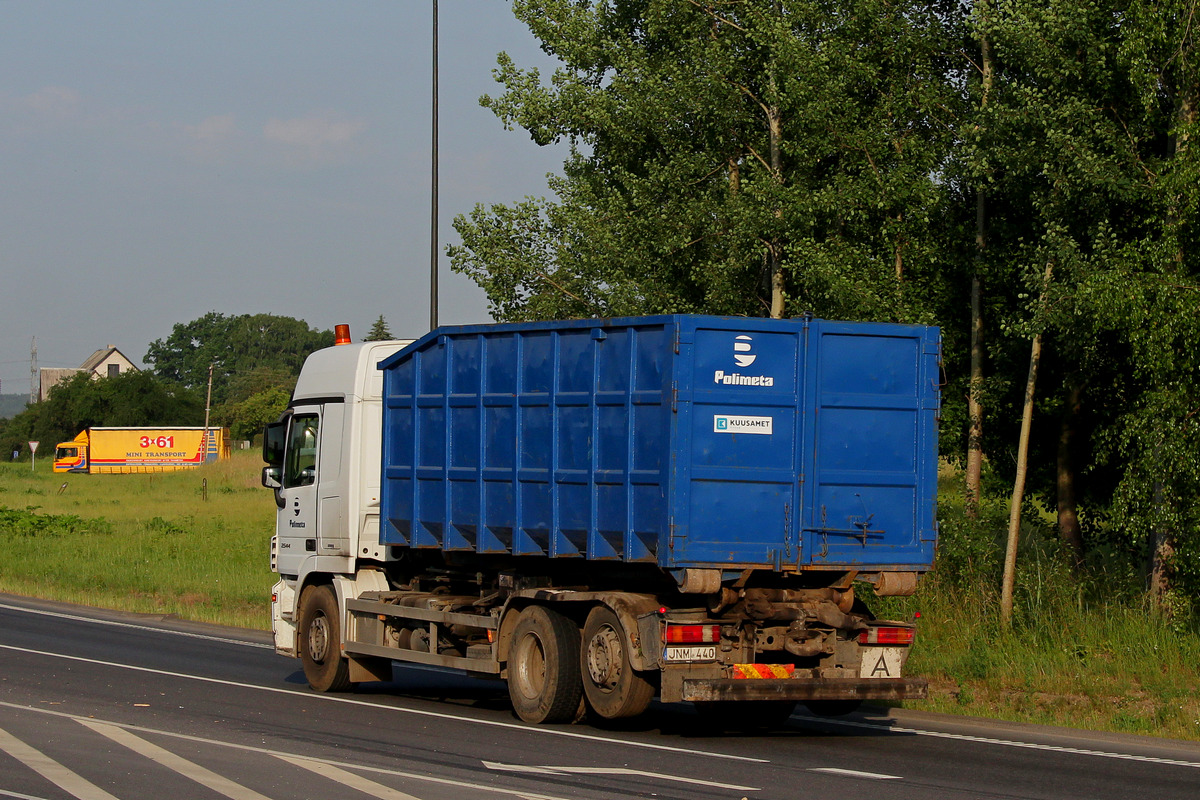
<point>881,662</point>
<point>705,653</point>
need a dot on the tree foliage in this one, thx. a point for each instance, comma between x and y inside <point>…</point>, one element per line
<point>379,331</point>
<point>724,157</point>
<point>130,399</point>
<point>235,346</point>
<point>848,157</point>
<point>253,399</point>
<point>247,418</point>
<point>1085,158</point>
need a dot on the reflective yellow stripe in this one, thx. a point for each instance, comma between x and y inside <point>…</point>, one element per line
<point>750,671</point>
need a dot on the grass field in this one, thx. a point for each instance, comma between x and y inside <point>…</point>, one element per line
<point>1085,649</point>
<point>1083,652</point>
<point>156,543</point>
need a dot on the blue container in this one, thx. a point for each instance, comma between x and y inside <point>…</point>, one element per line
<point>682,441</point>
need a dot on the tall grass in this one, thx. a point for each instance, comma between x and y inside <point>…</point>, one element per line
<point>1086,647</point>
<point>156,543</point>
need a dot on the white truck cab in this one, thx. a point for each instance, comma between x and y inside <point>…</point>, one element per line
<point>324,461</point>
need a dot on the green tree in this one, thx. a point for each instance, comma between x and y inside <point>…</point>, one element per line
<point>234,346</point>
<point>379,331</point>
<point>1022,173</point>
<point>247,418</point>
<point>1083,152</point>
<point>1152,297</point>
<point>130,399</point>
<point>1047,147</point>
<point>758,157</point>
<point>253,399</point>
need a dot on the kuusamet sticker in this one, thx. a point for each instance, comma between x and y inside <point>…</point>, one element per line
<point>727,423</point>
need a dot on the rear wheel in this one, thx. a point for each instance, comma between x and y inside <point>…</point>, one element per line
<point>543,667</point>
<point>325,667</point>
<point>614,689</point>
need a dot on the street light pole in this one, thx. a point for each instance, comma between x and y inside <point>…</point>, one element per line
<point>433,211</point>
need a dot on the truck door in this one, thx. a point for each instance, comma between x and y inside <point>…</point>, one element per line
<point>297,519</point>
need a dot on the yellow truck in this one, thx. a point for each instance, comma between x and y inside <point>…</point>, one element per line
<point>126,450</point>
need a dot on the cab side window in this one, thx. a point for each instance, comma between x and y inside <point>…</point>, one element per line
<point>300,460</point>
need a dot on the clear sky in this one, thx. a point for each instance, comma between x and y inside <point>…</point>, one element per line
<point>160,160</point>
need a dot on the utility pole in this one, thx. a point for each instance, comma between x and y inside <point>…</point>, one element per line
<point>433,211</point>
<point>33,372</point>
<point>207,406</point>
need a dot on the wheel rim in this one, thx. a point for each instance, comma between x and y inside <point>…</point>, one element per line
<point>318,638</point>
<point>531,667</point>
<point>604,659</point>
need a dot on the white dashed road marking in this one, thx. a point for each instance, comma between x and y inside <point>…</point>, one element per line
<point>201,775</point>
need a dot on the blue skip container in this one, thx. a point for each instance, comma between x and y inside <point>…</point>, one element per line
<point>682,441</point>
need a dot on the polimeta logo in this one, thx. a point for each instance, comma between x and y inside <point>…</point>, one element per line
<point>741,351</point>
<point>743,356</point>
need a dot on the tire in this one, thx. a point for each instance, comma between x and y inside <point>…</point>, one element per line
<point>832,708</point>
<point>613,688</point>
<point>745,715</point>
<point>543,667</point>
<point>320,641</point>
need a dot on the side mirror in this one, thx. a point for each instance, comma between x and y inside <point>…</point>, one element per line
<point>274,439</point>
<point>271,477</point>
<point>271,480</point>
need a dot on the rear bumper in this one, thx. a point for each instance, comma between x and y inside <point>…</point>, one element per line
<point>703,689</point>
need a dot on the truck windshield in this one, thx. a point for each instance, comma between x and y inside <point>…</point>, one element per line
<point>300,461</point>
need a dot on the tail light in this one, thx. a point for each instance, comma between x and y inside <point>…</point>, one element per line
<point>894,636</point>
<point>692,634</point>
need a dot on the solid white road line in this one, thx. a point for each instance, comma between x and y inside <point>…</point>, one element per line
<point>134,626</point>
<point>201,775</point>
<point>51,770</point>
<point>1049,748</point>
<point>853,773</point>
<point>661,776</point>
<point>326,698</point>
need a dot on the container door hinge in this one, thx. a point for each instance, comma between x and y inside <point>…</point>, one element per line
<point>787,532</point>
<point>674,396</point>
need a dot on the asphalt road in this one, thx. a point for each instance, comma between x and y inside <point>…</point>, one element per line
<point>99,705</point>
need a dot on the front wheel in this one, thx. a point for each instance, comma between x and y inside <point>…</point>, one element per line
<point>614,689</point>
<point>326,669</point>
<point>543,667</point>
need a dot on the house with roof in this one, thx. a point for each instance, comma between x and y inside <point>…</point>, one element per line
<point>107,362</point>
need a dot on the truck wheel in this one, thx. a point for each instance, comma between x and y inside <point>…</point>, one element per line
<point>321,641</point>
<point>745,715</point>
<point>614,689</point>
<point>543,667</point>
